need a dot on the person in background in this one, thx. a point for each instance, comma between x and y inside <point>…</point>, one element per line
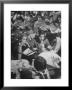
<point>55,41</point>
<point>58,44</point>
<point>40,65</point>
<point>31,41</point>
<point>22,47</point>
<point>44,43</point>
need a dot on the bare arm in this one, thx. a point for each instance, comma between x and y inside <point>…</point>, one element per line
<point>20,51</point>
<point>58,44</point>
<point>48,45</point>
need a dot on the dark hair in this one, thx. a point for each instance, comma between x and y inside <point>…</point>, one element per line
<point>26,74</point>
<point>40,63</point>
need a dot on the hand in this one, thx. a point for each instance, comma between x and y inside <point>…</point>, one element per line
<point>50,47</point>
<point>34,48</point>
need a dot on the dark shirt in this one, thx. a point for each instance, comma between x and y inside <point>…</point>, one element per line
<point>51,37</point>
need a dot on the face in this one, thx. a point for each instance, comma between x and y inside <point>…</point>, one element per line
<point>42,37</point>
<point>24,38</point>
<point>18,15</point>
<point>26,64</point>
<point>32,35</point>
<point>27,18</point>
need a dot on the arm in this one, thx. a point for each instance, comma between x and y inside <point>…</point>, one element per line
<point>20,51</point>
<point>58,44</point>
<point>47,72</point>
<point>48,44</point>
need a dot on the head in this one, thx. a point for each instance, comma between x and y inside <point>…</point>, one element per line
<point>24,63</point>
<point>39,18</point>
<point>42,36</point>
<point>40,63</point>
<point>24,38</point>
<point>18,14</point>
<point>31,34</point>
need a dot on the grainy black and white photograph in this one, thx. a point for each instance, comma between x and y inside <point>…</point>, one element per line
<point>35,44</point>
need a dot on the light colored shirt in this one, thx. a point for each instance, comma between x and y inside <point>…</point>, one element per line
<point>52,58</point>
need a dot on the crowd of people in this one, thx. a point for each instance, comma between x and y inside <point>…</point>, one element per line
<point>36,44</point>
